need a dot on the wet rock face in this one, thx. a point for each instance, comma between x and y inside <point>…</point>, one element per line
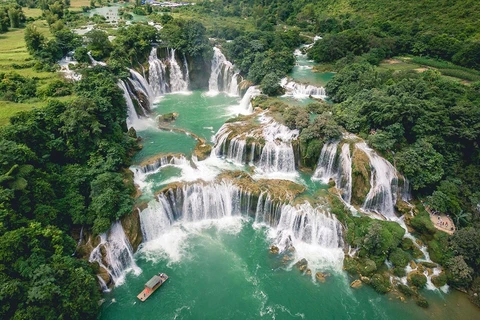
<point>133,231</point>
<point>360,177</point>
<point>302,265</point>
<point>321,277</point>
<point>356,284</point>
<point>102,273</point>
<point>274,250</point>
<point>202,150</point>
<point>168,117</point>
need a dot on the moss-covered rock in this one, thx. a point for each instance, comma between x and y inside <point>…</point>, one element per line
<point>132,228</point>
<point>350,265</point>
<point>439,280</point>
<point>366,266</point>
<point>406,290</point>
<point>399,258</point>
<point>421,301</point>
<point>302,265</point>
<point>407,244</point>
<point>380,283</point>
<point>356,284</point>
<point>399,272</point>
<point>361,172</point>
<point>417,279</point>
<point>168,117</point>
<point>202,150</point>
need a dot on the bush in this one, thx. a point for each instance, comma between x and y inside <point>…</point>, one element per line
<point>440,280</point>
<point>422,223</point>
<point>399,257</point>
<point>367,267</point>
<point>406,290</point>
<point>421,301</point>
<point>417,279</point>
<point>271,84</point>
<point>380,283</point>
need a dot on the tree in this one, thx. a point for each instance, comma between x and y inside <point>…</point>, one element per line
<point>33,39</point>
<point>271,84</point>
<point>97,42</point>
<point>458,272</point>
<point>421,164</point>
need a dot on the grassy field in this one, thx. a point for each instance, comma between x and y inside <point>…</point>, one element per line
<point>13,51</point>
<point>32,12</point>
<point>79,3</point>
<point>420,64</point>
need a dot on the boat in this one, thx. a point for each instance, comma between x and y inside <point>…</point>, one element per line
<point>152,285</point>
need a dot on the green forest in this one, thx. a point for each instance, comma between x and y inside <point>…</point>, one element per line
<point>64,161</point>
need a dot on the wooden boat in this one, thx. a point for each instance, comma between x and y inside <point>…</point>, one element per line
<point>152,285</point>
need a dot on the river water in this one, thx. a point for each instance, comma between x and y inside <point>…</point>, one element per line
<point>222,268</point>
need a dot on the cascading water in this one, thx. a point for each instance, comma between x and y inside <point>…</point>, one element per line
<point>218,63</point>
<point>159,163</point>
<point>277,153</point>
<point>314,233</point>
<point>234,149</point>
<point>141,84</point>
<point>383,185</point>
<point>131,112</point>
<point>336,166</point>
<point>327,163</point>
<point>95,62</point>
<point>187,72</point>
<point>222,75</point>
<point>246,102</point>
<point>178,82</point>
<point>302,91</point>
<point>118,254</point>
<point>157,76</point>
<point>345,178</point>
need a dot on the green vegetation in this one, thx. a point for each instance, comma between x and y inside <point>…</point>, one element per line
<point>61,167</point>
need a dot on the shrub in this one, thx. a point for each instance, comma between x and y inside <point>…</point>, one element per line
<point>380,283</point>
<point>417,279</point>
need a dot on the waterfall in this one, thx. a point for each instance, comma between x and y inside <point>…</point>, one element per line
<point>131,112</point>
<point>327,165</point>
<point>222,70</point>
<point>141,84</point>
<point>187,72</point>
<point>338,167</point>
<point>192,203</point>
<point>157,76</point>
<point>277,153</point>
<point>302,91</point>
<point>95,62</point>
<point>235,149</point>
<point>159,163</point>
<point>345,178</point>
<point>267,212</point>
<point>218,62</point>
<point>277,157</point>
<point>315,234</point>
<point>246,102</point>
<point>233,87</point>
<point>177,79</point>
<point>64,64</point>
<point>118,254</point>
<point>156,218</point>
<point>383,185</point>
<point>103,285</point>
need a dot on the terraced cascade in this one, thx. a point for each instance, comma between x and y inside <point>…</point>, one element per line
<point>242,234</point>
